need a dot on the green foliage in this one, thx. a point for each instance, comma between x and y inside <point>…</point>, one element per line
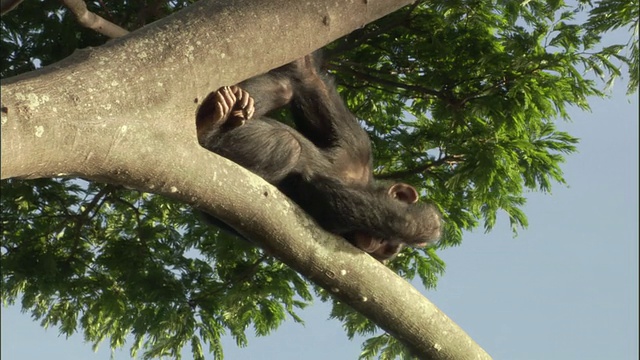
<point>384,347</point>
<point>610,15</point>
<point>460,99</point>
<point>40,33</point>
<point>115,261</point>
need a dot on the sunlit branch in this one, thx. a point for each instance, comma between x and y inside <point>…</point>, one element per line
<point>92,21</point>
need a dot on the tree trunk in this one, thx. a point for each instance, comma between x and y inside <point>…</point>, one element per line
<point>124,113</point>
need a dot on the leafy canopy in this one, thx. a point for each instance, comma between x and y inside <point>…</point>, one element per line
<point>459,97</point>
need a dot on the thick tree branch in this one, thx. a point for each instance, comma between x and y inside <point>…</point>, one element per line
<point>361,36</point>
<point>124,113</point>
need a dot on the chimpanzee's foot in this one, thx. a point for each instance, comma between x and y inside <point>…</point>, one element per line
<point>229,106</point>
<point>223,110</point>
<point>240,110</point>
<point>233,106</point>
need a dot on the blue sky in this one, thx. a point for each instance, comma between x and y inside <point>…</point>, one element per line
<point>565,288</point>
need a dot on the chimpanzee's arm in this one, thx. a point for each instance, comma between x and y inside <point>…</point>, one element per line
<point>321,115</point>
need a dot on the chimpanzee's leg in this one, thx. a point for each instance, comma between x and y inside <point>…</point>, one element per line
<point>319,112</point>
<point>266,147</point>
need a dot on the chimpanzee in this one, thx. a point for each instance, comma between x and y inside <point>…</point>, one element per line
<point>324,165</point>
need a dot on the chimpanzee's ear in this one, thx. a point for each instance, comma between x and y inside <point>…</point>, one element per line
<point>404,192</point>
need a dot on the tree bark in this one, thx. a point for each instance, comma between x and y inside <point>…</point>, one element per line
<point>124,113</point>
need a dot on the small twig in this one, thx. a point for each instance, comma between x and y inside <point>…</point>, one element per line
<point>373,79</point>
<point>92,21</point>
<point>451,160</point>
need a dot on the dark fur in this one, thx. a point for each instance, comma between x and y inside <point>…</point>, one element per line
<point>324,165</point>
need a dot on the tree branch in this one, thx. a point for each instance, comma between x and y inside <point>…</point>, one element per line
<point>378,80</point>
<point>92,21</point>
<point>124,114</point>
<point>360,36</point>
<point>451,159</point>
